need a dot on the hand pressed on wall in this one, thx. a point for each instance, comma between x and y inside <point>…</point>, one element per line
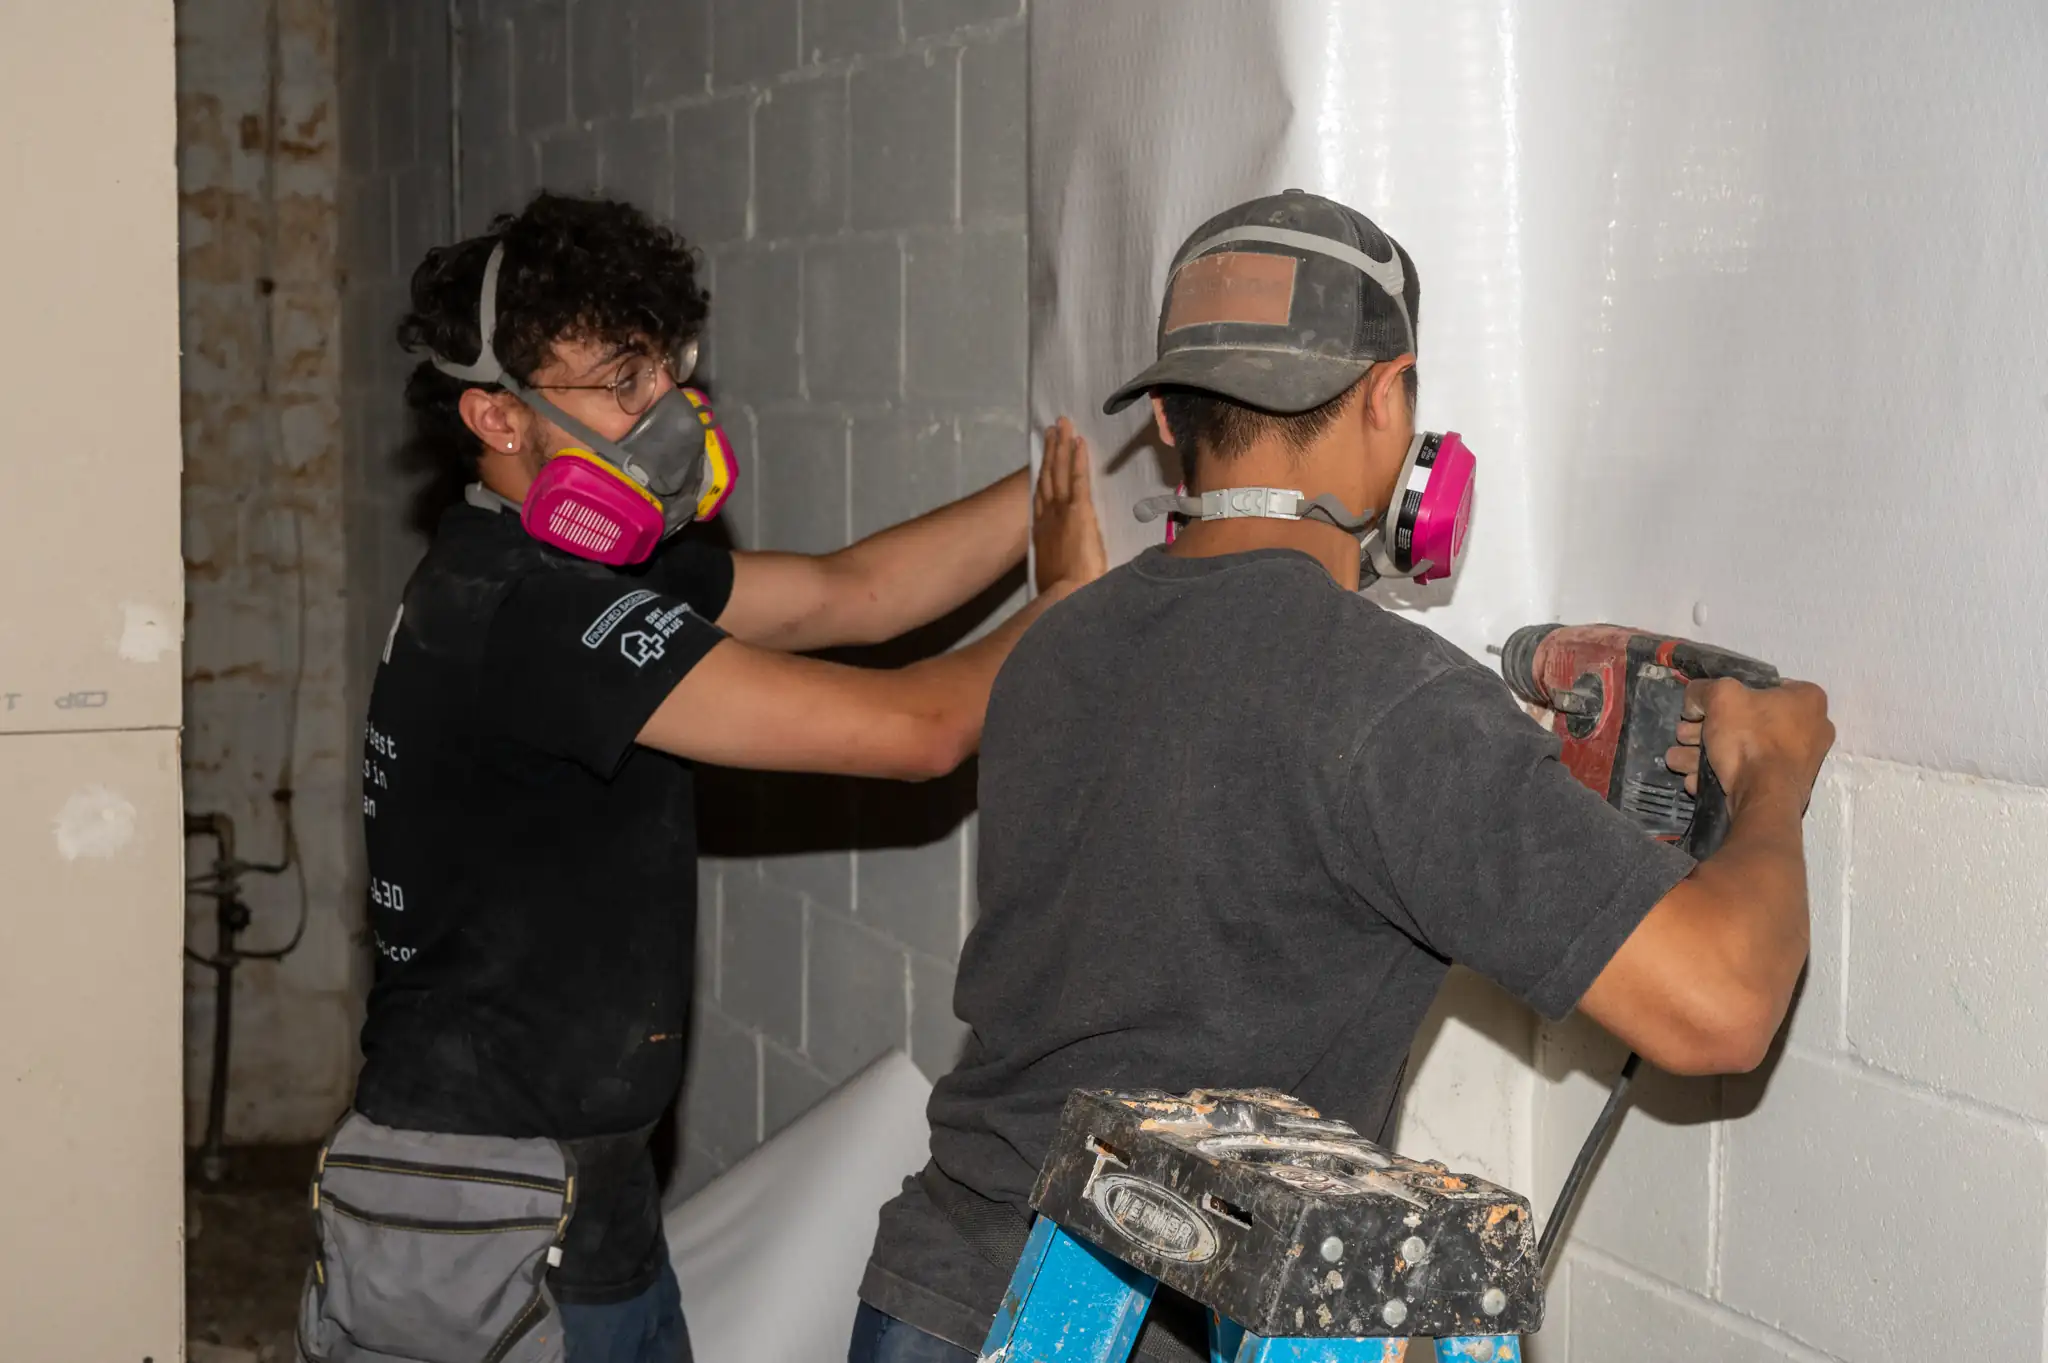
<point>1066,536</point>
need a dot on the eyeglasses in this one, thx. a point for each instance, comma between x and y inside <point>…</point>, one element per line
<point>632,387</point>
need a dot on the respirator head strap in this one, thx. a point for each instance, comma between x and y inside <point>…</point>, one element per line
<point>485,368</point>
<point>1255,503</point>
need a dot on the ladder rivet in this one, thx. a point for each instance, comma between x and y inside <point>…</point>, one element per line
<point>1333,1249</point>
<point>1494,1302</point>
<point>1394,1312</point>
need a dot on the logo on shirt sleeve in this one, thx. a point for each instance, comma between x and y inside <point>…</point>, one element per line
<point>601,628</point>
<point>651,641</point>
<point>638,646</point>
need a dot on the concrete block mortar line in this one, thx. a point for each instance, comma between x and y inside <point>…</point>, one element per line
<point>955,41</point>
<point>909,1002</point>
<point>803,377</point>
<point>760,1088</point>
<point>842,236</point>
<point>959,131</point>
<point>1855,1067</point>
<point>903,305</point>
<point>1734,1320</point>
<point>753,158</point>
<point>1717,1192</point>
<point>853,873</point>
<point>2044,1298</point>
<point>717,907</point>
<point>966,906</point>
<point>803,969</point>
<point>1851,787</point>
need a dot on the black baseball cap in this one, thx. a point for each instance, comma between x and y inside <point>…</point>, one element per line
<point>1282,304</point>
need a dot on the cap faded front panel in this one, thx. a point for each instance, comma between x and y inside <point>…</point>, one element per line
<point>1270,306</point>
<point>91,577</point>
<point>1232,287</point>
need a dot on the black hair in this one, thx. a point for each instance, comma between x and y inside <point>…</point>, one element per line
<point>1204,422</point>
<point>575,269</point>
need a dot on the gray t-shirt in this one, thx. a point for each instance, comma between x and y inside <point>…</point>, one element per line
<point>1236,823</point>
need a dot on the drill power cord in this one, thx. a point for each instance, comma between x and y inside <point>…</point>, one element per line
<point>1589,1153</point>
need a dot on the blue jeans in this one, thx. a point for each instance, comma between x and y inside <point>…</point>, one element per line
<point>884,1339</point>
<point>648,1328</point>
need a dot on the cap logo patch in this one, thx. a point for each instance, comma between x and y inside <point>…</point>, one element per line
<point>1250,287</point>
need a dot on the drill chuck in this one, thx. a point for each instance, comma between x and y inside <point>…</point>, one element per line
<point>1518,663</point>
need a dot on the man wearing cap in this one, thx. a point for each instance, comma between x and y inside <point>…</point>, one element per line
<point>1237,821</point>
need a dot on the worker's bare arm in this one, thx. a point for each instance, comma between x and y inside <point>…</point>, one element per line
<point>749,706</point>
<point>744,706</point>
<point>1703,983</point>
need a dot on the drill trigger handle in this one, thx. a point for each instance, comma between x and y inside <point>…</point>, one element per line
<point>1710,817</point>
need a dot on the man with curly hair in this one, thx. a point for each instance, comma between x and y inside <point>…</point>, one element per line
<point>542,695</point>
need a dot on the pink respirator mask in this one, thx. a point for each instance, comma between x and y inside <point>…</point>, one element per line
<point>616,500</point>
<point>1421,535</point>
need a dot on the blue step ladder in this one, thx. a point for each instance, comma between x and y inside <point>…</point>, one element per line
<point>1070,1302</point>
<point>1305,1242</point>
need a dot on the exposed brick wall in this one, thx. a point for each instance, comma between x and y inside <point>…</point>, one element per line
<point>262,506</point>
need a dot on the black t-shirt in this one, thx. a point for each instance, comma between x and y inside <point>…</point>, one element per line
<point>532,870</point>
<point>1236,822</point>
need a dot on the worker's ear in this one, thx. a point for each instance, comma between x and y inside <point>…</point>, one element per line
<point>492,418</point>
<point>1386,396</point>
<point>1159,419</point>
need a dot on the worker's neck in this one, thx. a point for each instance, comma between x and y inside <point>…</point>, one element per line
<point>1276,466</point>
<point>505,474</point>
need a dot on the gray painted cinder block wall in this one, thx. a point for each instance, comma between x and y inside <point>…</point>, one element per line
<point>392,62</point>
<point>853,171</point>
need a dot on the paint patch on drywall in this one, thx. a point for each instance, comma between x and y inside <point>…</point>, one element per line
<point>96,822</point>
<point>147,632</point>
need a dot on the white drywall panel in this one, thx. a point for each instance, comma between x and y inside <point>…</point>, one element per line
<point>91,593</point>
<point>92,841</point>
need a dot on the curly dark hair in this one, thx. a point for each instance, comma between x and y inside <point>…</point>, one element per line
<point>575,269</point>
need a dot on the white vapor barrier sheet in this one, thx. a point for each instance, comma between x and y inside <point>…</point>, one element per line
<point>1150,116</point>
<point>769,1255</point>
<point>1742,306</point>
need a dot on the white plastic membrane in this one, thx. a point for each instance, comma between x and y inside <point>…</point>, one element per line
<point>1149,116</point>
<point>770,1254</point>
<point>1738,304</point>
